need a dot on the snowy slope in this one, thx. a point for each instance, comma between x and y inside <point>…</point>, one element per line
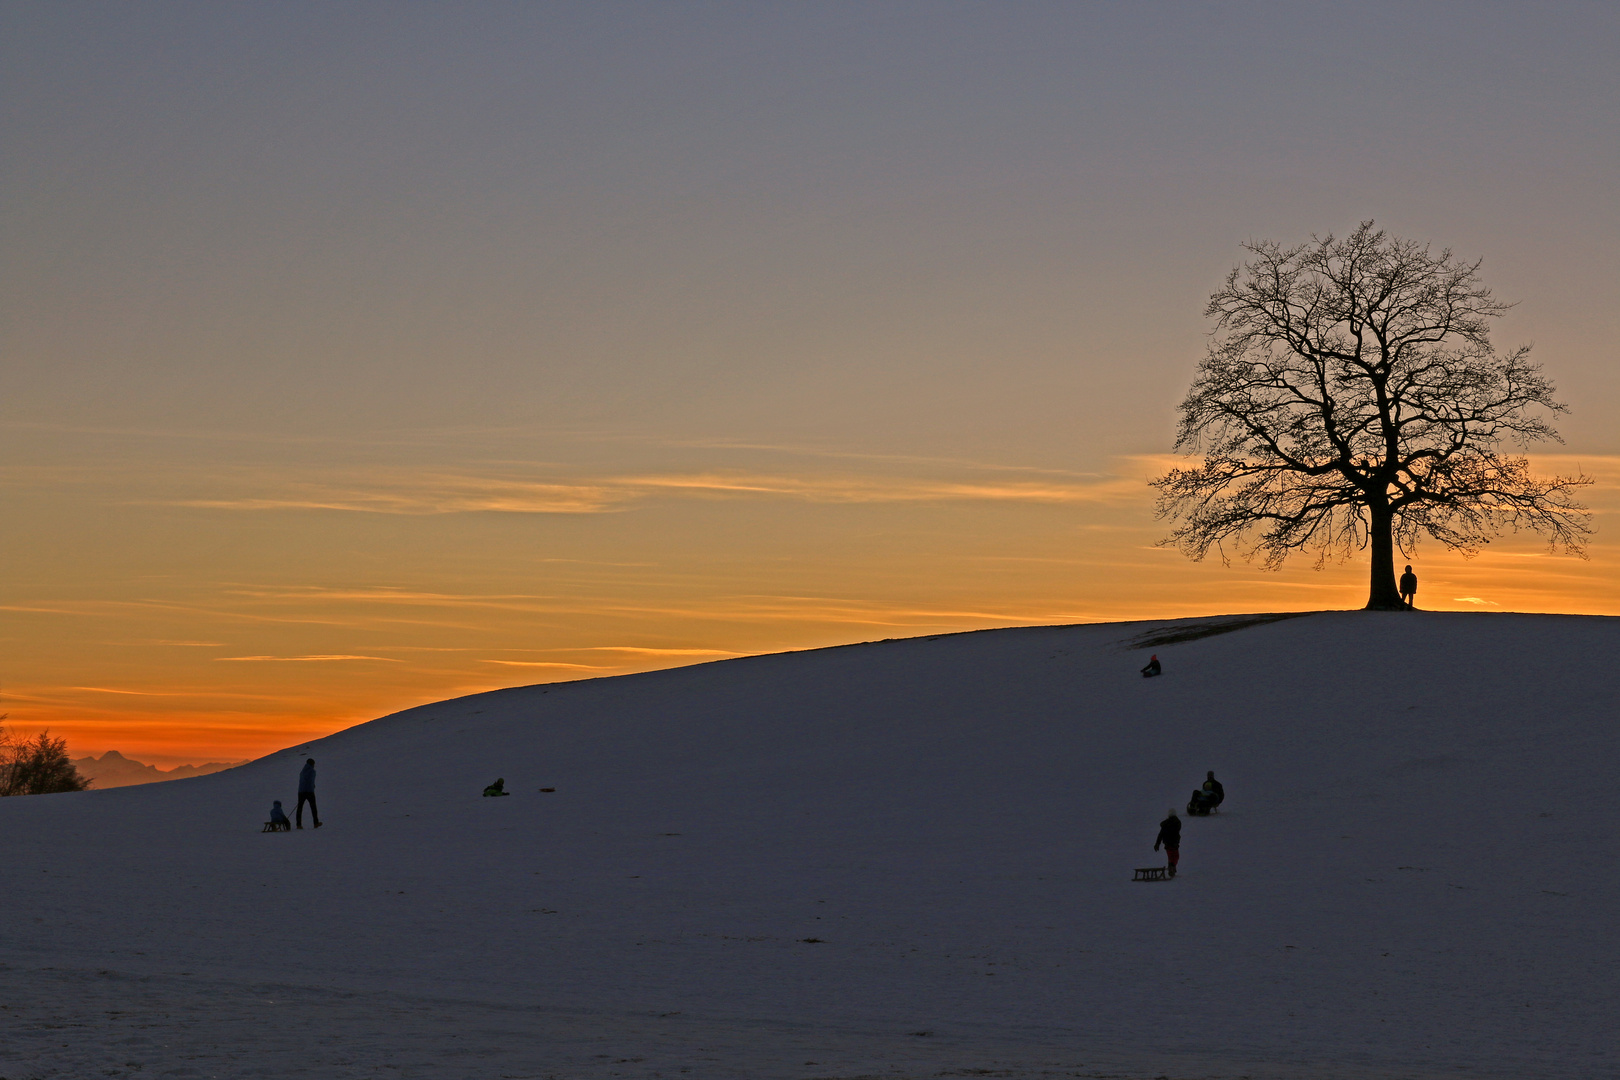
<point>1414,873</point>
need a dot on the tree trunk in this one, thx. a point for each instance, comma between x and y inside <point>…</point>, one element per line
<point>1383,595</point>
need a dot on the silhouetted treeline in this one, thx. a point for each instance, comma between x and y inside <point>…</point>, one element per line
<point>37,766</point>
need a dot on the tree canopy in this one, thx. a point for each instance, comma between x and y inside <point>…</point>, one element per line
<point>37,766</point>
<point>1350,397</point>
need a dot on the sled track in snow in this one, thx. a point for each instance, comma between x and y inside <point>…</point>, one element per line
<point>1204,628</point>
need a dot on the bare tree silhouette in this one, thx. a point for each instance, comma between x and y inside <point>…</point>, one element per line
<point>1351,397</point>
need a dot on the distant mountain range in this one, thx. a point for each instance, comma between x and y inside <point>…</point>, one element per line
<point>113,769</point>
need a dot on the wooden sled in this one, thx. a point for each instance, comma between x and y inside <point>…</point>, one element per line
<point>1152,873</point>
<point>271,826</point>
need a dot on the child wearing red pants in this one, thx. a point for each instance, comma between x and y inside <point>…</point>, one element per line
<point>1170,837</point>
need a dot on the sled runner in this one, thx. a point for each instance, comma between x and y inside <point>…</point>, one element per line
<point>277,826</point>
<point>1151,873</point>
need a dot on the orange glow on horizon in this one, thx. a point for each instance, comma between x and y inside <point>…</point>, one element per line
<point>200,671</point>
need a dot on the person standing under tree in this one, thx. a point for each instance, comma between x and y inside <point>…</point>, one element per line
<point>1408,588</point>
<point>306,794</point>
<point>1170,837</point>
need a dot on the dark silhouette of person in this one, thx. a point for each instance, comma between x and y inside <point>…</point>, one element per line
<point>497,788</point>
<point>306,794</point>
<point>1408,588</point>
<point>1212,788</point>
<point>1170,837</point>
<point>1152,668</point>
<point>278,816</point>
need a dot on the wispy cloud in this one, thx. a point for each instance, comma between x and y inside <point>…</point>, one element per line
<point>413,437</point>
<point>74,696</point>
<point>865,489</point>
<point>305,594</point>
<point>637,651</point>
<point>165,643</point>
<point>927,461</point>
<point>142,609</point>
<point>432,492</point>
<point>552,664</point>
<point>305,659</point>
<point>630,652</point>
<point>733,608</point>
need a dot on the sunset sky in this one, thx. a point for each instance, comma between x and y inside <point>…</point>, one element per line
<point>355,356</point>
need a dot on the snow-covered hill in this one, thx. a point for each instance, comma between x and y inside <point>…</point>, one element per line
<point>900,858</point>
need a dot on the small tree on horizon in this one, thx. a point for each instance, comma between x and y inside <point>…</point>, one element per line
<point>37,766</point>
<point>1351,398</point>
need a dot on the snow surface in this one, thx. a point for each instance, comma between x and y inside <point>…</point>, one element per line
<point>1414,873</point>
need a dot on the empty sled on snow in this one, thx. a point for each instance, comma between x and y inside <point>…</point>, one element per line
<point>1151,873</point>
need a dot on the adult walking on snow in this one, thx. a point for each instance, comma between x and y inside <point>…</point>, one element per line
<point>1408,588</point>
<point>1170,837</point>
<point>306,794</point>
